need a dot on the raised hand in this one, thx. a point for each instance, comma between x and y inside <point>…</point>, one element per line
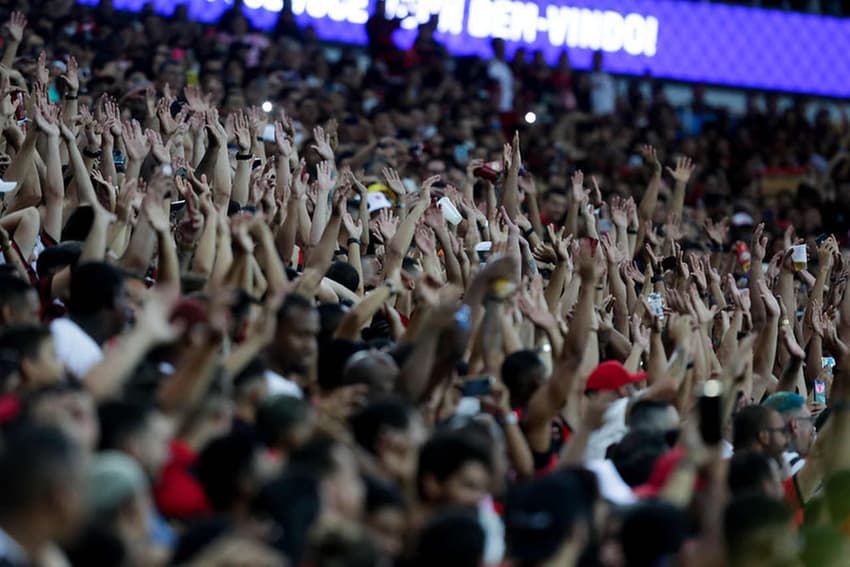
<point>153,206</point>
<point>619,212</point>
<point>257,120</point>
<point>650,156</point>
<point>577,180</point>
<point>216,134</point>
<point>394,181</point>
<point>385,226</point>
<point>424,239</point>
<point>44,118</point>
<point>16,25</point>
<point>673,228</point>
<point>758,249</point>
<point>160,152</point>
<point>154,321</point>
<point>613,252</point>
<point>788,339</point>
<point>42,75</point>
<point>536,312</point>
<point>684,169</point>
<point>771,305</point>
<point>586,263</point>
<point>196,100</point>
<point>323,177</point>
<point>434,219</point>
<point>167,123</point>
<point>595,193</point>
<point>323,144</point>
<point>71,77</point>
<point>698,272</point>
<point>631,273</point>
<point>242,131</point>
<point>282,141</point>
<point>135,141</point>
<point>827,253</point>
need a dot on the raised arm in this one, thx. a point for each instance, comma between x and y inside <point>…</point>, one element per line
<point>548,400</point>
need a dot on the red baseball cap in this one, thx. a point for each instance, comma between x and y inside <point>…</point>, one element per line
<point>611,375</point>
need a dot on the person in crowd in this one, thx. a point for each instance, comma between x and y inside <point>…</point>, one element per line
<point>268,303</point>
<point>800,423</point>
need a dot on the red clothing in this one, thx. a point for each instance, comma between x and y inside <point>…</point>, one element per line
<point>793,500</point>
<point>178,494</point>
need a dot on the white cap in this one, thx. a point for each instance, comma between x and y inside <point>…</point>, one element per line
<point>377,201</point>
<point>6,186</point>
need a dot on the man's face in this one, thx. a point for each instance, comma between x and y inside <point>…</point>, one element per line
<point>775,436</point>
<point>802,431</point>
<point>468,486</point>
<point>45,368</point>
<point>25,311</point>
<point>296,343</point>
<point>554,206</point>
<point>118,315</point>
<point>399,450</point>
<point>152,447</point>
<point>387,526</point>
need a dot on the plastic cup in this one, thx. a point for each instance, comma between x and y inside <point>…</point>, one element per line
<point>798,257</point>
<point>450,212</point>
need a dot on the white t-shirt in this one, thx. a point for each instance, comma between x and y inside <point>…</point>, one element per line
<point>612,487</point>
<point>74,347</point>
<point>277,385</point>
<point>500,72</point>
<point>603,93</point>
<point>612,431</point>
<point>793,461</point>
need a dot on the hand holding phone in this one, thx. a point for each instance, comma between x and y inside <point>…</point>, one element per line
<point>476,386</point>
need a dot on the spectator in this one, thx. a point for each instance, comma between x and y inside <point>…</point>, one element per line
<point>800,424</point>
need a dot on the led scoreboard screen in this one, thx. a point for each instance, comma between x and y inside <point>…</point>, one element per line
<point>689,41</point>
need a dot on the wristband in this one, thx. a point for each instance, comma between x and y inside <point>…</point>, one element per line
<point>93,155</point>
<point>243,157</point>
<point>631,231</point>
<point>72,97</point>
<point>354,241</point>
<point>510,419</point>
<point>528,232</point>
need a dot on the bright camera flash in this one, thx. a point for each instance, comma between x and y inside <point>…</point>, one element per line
<point>267,106</point>
<point>530,117</point>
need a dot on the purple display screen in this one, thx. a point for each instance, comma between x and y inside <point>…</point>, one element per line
<point>687,41</point>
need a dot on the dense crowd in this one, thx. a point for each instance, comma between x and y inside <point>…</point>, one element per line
<point>264,302</point>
